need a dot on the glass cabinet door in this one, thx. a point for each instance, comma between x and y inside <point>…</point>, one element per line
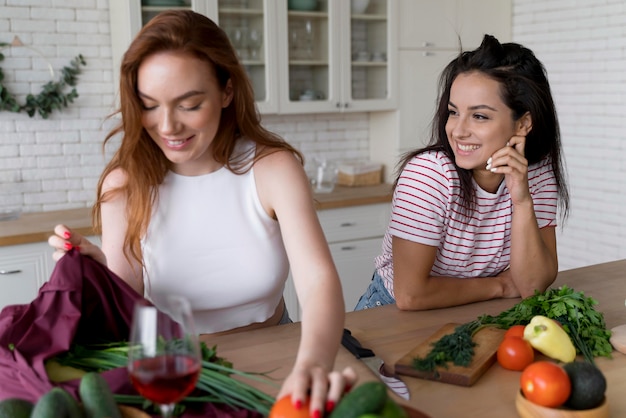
<point>371,55</point>
<point>247,23</point>
<point>309,47</point>
<point>368,39</point>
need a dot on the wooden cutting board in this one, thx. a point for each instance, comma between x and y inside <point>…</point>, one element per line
<point>487,341</point>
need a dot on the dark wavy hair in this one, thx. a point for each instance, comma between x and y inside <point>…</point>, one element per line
<point>524,88</point>
<point>144,163</point>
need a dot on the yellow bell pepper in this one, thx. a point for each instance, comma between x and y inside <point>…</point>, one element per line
<point>546,336</point>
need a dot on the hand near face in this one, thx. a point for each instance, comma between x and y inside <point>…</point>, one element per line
<point>511,162</point>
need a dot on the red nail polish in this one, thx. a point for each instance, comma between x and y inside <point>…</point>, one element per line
<point>347,388</point>
<point>66,235</point>
<point>317,414</point>
<point>298,404</point>
<point>330,405</point>
<point>77,248</point>
<point>68,246</point>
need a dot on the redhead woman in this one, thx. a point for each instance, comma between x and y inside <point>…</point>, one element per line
<point>200,200</point>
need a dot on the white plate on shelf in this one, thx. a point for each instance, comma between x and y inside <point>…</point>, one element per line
<point>173,3</point>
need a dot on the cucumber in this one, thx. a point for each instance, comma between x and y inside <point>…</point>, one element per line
<point>391,409</point>
<point>57,403</point>
<point>367,398</point>
<point>15,408</point>
<point>97,397</point>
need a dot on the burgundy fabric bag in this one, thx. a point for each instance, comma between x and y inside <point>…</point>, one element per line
<point>83,302</point>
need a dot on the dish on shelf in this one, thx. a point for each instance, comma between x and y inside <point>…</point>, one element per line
<point>162,2</point>
<point>302,5</point>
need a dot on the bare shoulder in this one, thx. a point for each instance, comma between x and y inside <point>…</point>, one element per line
<point>115,179</point>
<point>278,163</point>
<point>281,182</point>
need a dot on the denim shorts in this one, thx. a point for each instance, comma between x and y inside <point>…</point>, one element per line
<point>285,319</point>
<point>375,295</point>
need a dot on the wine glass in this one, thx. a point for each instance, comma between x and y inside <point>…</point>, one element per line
<point>164,353</point>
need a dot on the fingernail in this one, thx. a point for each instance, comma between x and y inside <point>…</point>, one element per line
<point>66,235</point>
<point>68,246</point>
<point>493,170</point>
<point>488,167</point>
<point>77,248</point>
<point>317,414</point>
<point>347,388</point>
<point>507,143</point>
<point>330,405</point>
<point>298,404</point>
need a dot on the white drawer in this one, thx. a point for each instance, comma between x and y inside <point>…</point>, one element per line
<point>355,222</point>
<point>22,273</point>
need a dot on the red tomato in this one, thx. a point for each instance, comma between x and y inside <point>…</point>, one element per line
<point>515,353</point>
<point>515,331</point>
<point>546,383</point>
<point>283,408</point>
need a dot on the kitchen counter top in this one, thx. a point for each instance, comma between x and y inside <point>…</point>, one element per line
<point>392,333</point>
<point>37,227</point>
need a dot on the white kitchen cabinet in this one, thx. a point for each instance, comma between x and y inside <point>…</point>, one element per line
<point>355,236</point>
<point>347,61</point>
<point>24,269</point>
<point>325,60</point>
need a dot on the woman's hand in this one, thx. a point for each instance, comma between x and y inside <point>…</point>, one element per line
<point>64,239</point>
<point>511,162</point>
<point>324,389</point>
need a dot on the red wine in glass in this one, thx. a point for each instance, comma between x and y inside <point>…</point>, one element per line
<point>165,379</point>
<point>164,357</point>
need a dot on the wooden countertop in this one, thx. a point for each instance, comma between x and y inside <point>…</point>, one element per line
<point>37,227</point>
<point>391,334</point>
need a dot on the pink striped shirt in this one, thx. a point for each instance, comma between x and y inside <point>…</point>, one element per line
<point>426,209</point>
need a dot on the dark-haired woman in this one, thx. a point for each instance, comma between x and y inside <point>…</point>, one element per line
<point>201,201</point>
<point>474,212</point>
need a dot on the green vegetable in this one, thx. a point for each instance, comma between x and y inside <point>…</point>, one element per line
<point>369,397</point>
<point>216,381</point>
<point>97,397</point>
<point>15,408</point>
<point>584,325</point>
<point>56,403</point>
<point>545,335</point>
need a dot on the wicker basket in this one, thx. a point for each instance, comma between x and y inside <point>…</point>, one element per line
<point>359,174</point>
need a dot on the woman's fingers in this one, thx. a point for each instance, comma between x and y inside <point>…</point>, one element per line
<point>339,383</point>
<point>510,158</point>
<point>323,390</point>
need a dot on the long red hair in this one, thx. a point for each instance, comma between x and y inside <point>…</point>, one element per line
<point>138,156</point>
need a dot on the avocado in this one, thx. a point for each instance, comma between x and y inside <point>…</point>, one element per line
<point>15,408</point>
<point>588,385</point>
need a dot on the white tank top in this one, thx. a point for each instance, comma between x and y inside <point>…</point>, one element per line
<point>211,241</point>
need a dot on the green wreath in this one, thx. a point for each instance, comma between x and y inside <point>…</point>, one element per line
<point>52,94</point>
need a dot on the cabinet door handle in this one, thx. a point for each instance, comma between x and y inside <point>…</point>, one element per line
<point>428,54</point>
<point>7,272</point>
<point>427,44</point>
<point>347,224</point>
<point>348,248</point>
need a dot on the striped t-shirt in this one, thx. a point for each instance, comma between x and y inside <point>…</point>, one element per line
<point>426,209</point>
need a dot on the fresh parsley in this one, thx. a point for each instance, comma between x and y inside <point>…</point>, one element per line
<point>576,312</point>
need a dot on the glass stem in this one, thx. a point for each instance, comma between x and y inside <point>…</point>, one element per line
<point>167,411</point>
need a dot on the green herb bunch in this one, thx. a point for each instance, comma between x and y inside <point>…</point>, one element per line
<point>216,383</point>
<point>576,312</point>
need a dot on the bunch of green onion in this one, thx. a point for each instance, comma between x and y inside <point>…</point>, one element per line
<point>216,379</point>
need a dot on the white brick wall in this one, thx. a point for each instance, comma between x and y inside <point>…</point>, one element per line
<point>583,49</point>
<point>55,163</point>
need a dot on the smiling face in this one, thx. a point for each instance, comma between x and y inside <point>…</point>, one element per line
<point>182,105</point>
<point>479,123</point>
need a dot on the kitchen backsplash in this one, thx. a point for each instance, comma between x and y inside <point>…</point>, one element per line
<point>55,163</point>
